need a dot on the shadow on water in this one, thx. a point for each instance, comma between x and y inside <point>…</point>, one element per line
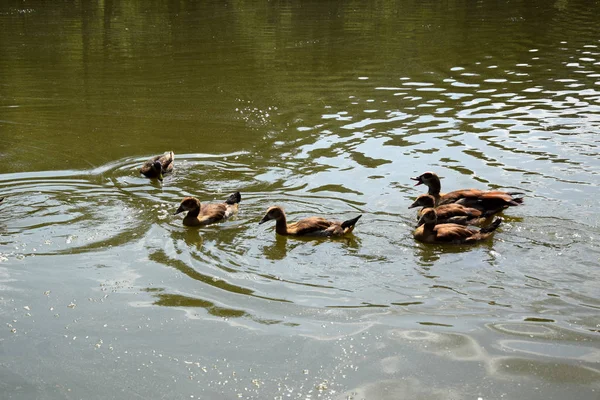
<point>188,302</point>
<point>178,300</point>
<point>279,249</point>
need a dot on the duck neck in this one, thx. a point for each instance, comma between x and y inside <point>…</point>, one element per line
<point>193,213</point>
<point>281,225</point>
<point>435,187</point>
<point>428,226</point>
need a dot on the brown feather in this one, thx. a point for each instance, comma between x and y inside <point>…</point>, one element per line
<point>204,214</point>
<point>166,163</point>
<point>488,201</point>
<point>450,213</point>
<point>308,225</point>
<point>431,232</point>
<point>311,226</point>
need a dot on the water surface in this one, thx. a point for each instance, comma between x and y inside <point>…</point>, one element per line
<point>326,109</point>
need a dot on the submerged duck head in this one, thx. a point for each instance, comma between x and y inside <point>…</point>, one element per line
<point>429,216</point>
<point>274,212</point>
<point>428,178</point>
<point>424,200</point>
<point>188,204</point>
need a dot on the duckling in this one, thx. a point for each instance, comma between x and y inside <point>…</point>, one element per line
<point>159,165</point>
<point>205,214</point>
<point>451,213</point>
<point>485,200</point>
<point>311,226</point>
<point>429,231</point>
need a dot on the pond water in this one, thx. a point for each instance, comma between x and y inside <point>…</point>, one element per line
<point>325,108</point>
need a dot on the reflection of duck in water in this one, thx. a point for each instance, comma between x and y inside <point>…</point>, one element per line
<point>451,213</point>
<point>429,231</point>
<point>1,199</point>
<point>311,226</point>
<point>204,214</point>
<point>486,200</point>
<point>157,166</point>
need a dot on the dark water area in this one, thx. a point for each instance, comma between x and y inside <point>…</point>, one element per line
<point>327,109</point>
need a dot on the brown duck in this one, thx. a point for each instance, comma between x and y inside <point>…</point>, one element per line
<point>451,213</point>
<point>311,226</point>
<point>204,214</point>
<point>159,165</point>
<point>485,200</point>
<point>429,231</point>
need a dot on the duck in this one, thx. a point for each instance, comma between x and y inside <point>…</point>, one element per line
<point>311,226</point>
<point>451,213</point>
<point>486,200</point>
<point>429,231</point>
<point>159,165</point>
<point>204,214</point>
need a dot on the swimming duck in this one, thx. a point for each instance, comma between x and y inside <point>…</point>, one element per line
<point>488,200</point>
<point>429,231</point>
<point>159,165</point>
<point>451,213</point>
<point>204,214</point>
<point>311,226</point>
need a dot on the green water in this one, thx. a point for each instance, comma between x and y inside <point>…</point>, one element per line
<point>324,108</point>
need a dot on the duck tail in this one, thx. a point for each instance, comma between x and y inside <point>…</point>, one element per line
<point>492,227</point>
<point>234,198</point>
<point>350,222</point>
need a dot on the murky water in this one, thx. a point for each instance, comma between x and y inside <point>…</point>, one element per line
<point>325,108</point>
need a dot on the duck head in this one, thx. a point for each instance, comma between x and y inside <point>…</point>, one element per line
<point>188,204</point>
<point>428,178</point>
<point>274,212</point>
<point>424,200</point>
<point>428,217</point>
<point>157,168</point>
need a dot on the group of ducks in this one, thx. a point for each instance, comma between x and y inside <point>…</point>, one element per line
<point>199,214</point>
<point>451,217</point>
<point>444,218</point>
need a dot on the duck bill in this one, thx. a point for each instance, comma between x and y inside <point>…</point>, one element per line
<point>180,209</point>
<point>418,179</point>
<point>420,222</point>
<point>264,219</point>
<point>413,205</point>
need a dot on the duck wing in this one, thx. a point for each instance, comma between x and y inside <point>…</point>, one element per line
<point>311,226</point>
<point>456,210</point>
<point>166,161</point>
<point>213,212</point>
<point>491,202</point>
<point>452,233</point>
<point>453,197</point>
